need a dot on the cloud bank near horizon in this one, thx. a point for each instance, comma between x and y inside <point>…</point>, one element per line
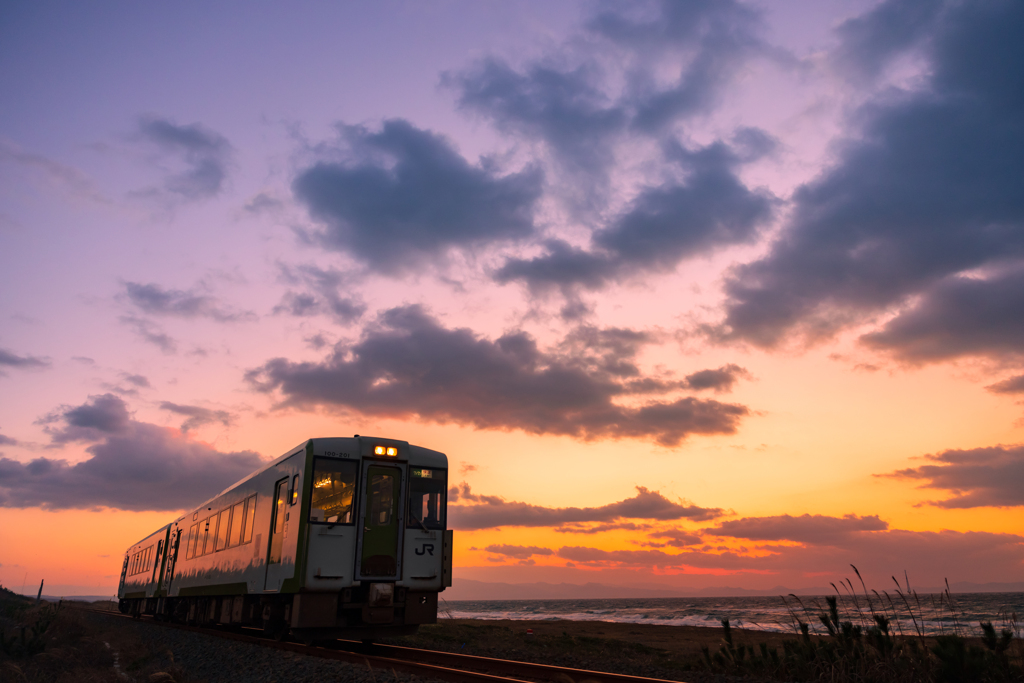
<point>132,465</point>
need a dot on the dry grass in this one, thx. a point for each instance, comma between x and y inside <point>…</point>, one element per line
<point>78,647</point>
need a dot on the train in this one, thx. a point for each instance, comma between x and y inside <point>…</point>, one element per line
<point>337,538</point>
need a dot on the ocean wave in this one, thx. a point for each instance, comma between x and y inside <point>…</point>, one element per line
<point>930,617</point>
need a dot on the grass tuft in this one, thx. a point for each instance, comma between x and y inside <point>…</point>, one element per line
<point>861,646</point>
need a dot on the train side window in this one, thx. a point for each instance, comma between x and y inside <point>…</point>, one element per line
<point>193,536</point>
<point>131,566</point>
<point>237,520</point>
<point>211,534</point>
<point>334,485</point>
<point>222,528</point>
<point>250,517</point>
<point>295,490</point>
<point>427,498</point>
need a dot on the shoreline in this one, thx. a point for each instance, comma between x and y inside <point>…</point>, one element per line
<point>683,640</point>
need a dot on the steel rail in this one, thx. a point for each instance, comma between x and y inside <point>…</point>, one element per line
<point>510,667</point>
<point>447,666</point>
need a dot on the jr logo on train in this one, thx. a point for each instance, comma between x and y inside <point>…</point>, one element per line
<point>339,537</point>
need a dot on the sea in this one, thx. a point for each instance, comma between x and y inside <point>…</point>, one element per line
<point>929,614</point>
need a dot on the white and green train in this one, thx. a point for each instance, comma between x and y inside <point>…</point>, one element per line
<point>339,537</point>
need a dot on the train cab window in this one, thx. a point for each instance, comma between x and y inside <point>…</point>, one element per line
<point>193,536</point>
<point>334,485</point>
<point>250,518</point>
<point>237,520</point>
<point>382,499</point>
<point>427,499</point>
<point>222,528</point>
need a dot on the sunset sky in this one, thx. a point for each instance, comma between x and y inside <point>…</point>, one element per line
<point>692,294</point>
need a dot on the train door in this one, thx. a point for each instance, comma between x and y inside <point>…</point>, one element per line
<point>124,572</point>
<point>380,533</point>
<point>172,559</point>
<point>279,517</point>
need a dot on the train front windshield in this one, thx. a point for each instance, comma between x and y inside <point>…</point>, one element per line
<point>427,498</point>
<point>334,485</point>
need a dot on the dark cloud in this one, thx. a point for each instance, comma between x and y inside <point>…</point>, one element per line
<point>403,196</point>
<point>978,477</point>
<point>959,316</point>
<point>922,211</point>
<point>263,202</point>
<point>708,208</point>
<point>566,109</point>
<point>519,552</point>
<point>813,529</point>
<point>7,441</point>
<point>198,416</point>
<point>327,292</point>
<point>205,154</point>
<point>155,300</point>
<point>710,41</point>
<point>407,364</point>
<point>137,380</point>
<point>600,528</point>
<point>132,465</point>
<point>677,537</point>
<point>1011,385</point>
<point>870,42</point>
<point>929,557</point>
<point>151,333</point>
<point>12,360</point>
<point>98,417</point>
<point>469,511</point>
<point>572,109</point>
<point>721,379</point>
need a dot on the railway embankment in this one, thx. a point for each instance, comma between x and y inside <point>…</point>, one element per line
<point>83,646</point>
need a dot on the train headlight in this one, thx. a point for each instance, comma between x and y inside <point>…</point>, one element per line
<point>382,450</point>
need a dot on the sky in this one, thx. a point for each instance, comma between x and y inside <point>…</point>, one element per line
<point>691,294</point>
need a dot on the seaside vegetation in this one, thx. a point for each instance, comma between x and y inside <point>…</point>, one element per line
<point>62,643</point>
<point>866,642</point>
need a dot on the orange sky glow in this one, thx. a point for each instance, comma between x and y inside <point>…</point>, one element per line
<point>687,307</point>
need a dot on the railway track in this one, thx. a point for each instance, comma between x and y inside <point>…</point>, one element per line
<point>447,666</point>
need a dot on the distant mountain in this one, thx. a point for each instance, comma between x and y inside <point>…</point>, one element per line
<point>468,589</point>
